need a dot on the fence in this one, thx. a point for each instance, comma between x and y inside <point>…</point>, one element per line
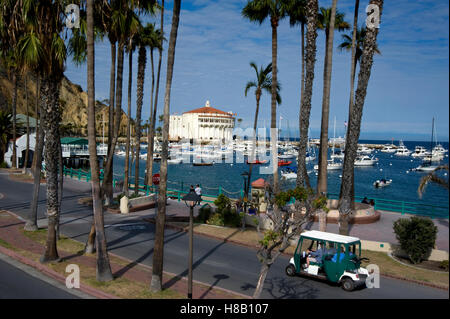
<point>177,189</point>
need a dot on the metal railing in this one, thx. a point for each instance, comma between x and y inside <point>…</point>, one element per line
<point>177,189</point>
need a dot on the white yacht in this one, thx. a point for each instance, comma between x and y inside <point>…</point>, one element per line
<point>331,165</point>
<point>288,173</point>
<point>420,151</point>
<point>389,148</point>
<point>426,167</point>
<point>365,160</point>
<point>439,149</point>
<point>363,150</point>
<point>402,150</point>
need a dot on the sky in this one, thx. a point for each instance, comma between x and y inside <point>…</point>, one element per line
<point>215,45</point>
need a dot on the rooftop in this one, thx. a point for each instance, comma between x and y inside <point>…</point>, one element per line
<point>209,110</point>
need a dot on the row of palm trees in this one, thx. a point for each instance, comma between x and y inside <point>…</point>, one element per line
<point>30,42</point>
<point>361,43</point>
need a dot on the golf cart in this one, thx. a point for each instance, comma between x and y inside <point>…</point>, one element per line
<point>332,257</point>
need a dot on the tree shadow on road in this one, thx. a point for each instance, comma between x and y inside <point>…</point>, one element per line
<point>175,279</point>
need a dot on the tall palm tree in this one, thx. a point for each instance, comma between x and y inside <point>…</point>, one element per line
<point>263,82</point>
<point>329,19</point>
<point>103,267</point>
<point>44,51</point>
<point>158,39</point>
<point>347,43</point>
<point>158,253</point>
<point>346,196</point>
<point>297,15</point>
<point>131,46</point>
<point>275,10</point>
<point>146,38</point>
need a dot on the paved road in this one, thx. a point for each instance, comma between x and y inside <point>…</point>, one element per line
<point>216,263</point>
<point>18,281</point>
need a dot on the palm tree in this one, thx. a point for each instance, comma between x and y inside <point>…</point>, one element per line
<point>146,38</point>
<point>275,10</point>
<point>156,43</point>
<point>297,15</point>
<point>346,44</point>
<point>433,178</point>
<point>346,193</point>
<point>44,51</point>
<point>103,267</point>
<point>158,253</point>
<point>131,46</point>
<point>263,82</point>
<point>328,20</point>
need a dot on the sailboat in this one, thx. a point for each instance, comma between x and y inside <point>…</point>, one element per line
<point>427,165</point>
<point>332,164</point>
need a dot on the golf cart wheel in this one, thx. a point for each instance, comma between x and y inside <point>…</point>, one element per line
<point>347,284</point>
<point>290,270</point>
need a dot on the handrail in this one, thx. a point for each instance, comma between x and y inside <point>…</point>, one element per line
<point>403,207</point>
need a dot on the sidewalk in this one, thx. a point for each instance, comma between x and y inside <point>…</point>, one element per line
<point>14,243</point>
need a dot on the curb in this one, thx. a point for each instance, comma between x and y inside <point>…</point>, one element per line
<point>53,274</point>
<point>423,283</point>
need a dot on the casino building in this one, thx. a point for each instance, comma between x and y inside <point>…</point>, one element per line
<point>203,124</point>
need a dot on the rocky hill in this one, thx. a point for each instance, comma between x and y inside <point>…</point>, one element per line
<point>73,101</point>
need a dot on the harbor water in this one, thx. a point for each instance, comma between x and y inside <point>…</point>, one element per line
<point>226,177</point>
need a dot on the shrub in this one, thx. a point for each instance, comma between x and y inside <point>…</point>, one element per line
<point>224,214</point>
<point>416,235</point>
<point>215,219</point>
<point>3,165</point>
<point>203,214</point>
<point>444,265</point>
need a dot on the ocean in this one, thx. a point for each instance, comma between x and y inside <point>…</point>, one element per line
<point>228,176</point>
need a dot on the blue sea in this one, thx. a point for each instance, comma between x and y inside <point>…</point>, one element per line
<point>228,176</point>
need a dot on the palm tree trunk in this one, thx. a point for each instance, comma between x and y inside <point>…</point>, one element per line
<point>38,126</point>
<point>305,110</point>
<point>14,111</point>
<point>323,152</point>
<point>108,176</point>
<point>273,124</point>
<point>142,61</point>
<point>151,131</point>
<point>60,185</point>
<point>354,62</point>
<point>31,224</point>
<point>50,95</point>
<point>158,255</point>
<point>103,267</point>
<point>25,162</point>
<point>346,197</point>
<point>127,145</point>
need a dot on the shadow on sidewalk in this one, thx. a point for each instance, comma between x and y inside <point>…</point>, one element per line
<point>175,279</point>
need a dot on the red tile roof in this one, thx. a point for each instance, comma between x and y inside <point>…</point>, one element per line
<point>209,110</point>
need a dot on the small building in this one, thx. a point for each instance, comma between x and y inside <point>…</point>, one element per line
<point>202,124</point>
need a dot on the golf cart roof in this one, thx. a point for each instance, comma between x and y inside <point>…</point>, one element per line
<point>336,238</point>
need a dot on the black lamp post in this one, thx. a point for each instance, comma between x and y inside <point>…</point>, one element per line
<point>191,200</point>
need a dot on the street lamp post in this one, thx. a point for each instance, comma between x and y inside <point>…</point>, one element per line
<point>191,200</point>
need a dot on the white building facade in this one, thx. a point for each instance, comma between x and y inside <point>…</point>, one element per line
<point>202,124</point>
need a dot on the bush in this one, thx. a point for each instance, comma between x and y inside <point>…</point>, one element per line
<point>224,214</point>
<point>444,265</point>
<point>417,236</point>
<point>3,165</point>
<point>203,214</point>
<point>215,219</point>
